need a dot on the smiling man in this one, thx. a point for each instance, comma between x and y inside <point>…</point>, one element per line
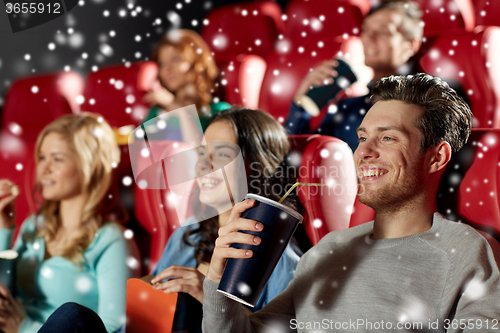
<point>408,270</point>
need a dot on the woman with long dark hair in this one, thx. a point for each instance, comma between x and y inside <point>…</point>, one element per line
<point>264,146</point>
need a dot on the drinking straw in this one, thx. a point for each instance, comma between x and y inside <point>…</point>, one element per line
<point>294,186</point>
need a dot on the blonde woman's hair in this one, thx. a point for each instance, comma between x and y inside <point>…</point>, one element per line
<point>198,54</point>
<point>93,142</point>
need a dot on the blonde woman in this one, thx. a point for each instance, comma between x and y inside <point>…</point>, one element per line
<point>70,250</point>
<point>187,72</point>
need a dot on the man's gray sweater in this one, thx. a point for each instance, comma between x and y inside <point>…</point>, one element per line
<point>443,280</point>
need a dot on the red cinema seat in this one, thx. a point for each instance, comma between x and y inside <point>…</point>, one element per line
<point>487,12</point>
<point>33,102</point>
<point>116,92</point>
<point>326,160</point>
<point>247,27</point>
<point>361,213</point>
<point>241,79</point>
<point>445,16</point>
<point>306,20</point>
<point>155,208</point>
<point>471,58</point>
<point>469,191</point>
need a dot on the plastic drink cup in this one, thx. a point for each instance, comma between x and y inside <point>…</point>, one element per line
<point>8,261</point>
<point>244,279</point>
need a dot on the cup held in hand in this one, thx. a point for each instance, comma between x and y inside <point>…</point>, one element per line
<point>8,260</point>
<point>318,97</point>
<point>244,279</point>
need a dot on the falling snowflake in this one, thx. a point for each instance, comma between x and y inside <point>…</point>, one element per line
<point>47,273</point>
<point>276,88</point>
<point>15,128</point>
<point>475,289</point>
<point>128,234</point>
<point>127,181</point>
<point>83,284</point>
<point>133,263</point>
<point>332,109</point>
<point>80,99</point>
<point>244,288</point>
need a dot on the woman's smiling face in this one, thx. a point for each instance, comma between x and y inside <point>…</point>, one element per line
<point>217,155</point>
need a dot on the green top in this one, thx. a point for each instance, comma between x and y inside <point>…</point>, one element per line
<point>44,285</point>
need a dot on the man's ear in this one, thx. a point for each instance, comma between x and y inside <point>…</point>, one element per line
<point>439,157</point>
<point>415,44</point>
<point>412,47</point>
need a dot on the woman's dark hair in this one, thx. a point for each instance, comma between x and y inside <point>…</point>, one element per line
<point>264,145</point>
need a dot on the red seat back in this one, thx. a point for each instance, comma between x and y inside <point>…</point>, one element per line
<point>116,92</point>
<point>33,102</point>
<point>326,160</point>
<point>241,79</point>
<point>469,190</point>
<point>248,27</point>
<point>306,20</point>
<point>445,16</point>
<point>487,12</point>
<point>155,208</point>
<point>471,58</point>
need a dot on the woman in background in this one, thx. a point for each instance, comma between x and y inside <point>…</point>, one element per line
<point>186,76</point>
<point>70,250</point>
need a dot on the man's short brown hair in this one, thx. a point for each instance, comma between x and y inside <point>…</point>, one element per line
<point>445,117</point>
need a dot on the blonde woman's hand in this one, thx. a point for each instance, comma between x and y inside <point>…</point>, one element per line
<point>12,312</point>
<point>8,197</point>
<point>159,96</point>
<point>182,279</point>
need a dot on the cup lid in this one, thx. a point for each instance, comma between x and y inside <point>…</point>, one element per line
<point>276,204</point>
<point>8,254</point>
